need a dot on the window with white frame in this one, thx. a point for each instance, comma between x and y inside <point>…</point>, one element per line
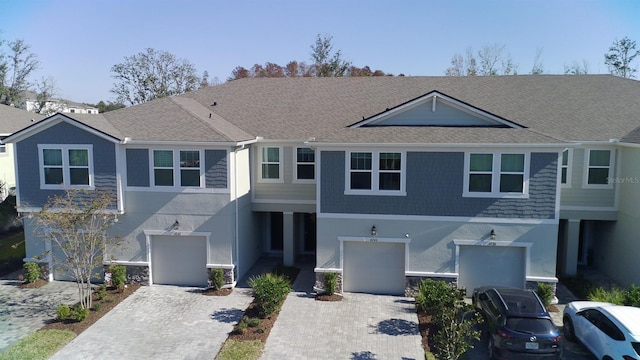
<point>65,166</point>
<point>380,172</point>
<point>3,148</point>
<point>270,168</point>
<point>305,164</point>
<point>565,176</point>
<point>496,174</point>
<point>181,168</point>
<point>598,167</point>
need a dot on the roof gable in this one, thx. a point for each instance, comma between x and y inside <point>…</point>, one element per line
<point>436,109</point>
<point>54,120</point>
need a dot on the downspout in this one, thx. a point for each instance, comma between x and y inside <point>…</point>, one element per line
<point>235,196</point>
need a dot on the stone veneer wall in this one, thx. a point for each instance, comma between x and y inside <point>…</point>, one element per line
<point>412,283</point>
<point>319,284</point>
<point>136,274</point>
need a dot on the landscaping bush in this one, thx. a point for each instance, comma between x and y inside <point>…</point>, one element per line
<point>79,313</point>
<point>216,278</point>
<point>632,295</point>
<point>330,281</point>
<point>118,275</point>
<point>614,295</point>
<point>64,312</point>
<point>435,296</point>
<point>545,293</point>
<point>31,271</point>
<point>269,292</point>
<point>97,306</point>
<point>102,292</point>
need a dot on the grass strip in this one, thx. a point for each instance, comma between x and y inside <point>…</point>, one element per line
<point>240,349</point>
<point>39,345</point>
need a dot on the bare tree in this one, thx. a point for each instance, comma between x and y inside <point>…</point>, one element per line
<point>620,56</point>
<point>576,68</point>
<point>538,66</point>
<point>152,74</point>
<point>15,69</point>
<point>76,224</point>
<point>45,90</point>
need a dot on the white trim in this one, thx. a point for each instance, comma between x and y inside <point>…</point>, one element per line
<point>375,239</point>
<point>496,172</point>
<point>38,209</point>
<point>295,179</point>
<point>172,143</point>
<point>480,220</point>
<point>588,208</point>
<point>545,279</point>
<point>585,172</point>
<point>327,270</point>
<point>283,201</point>
<point>433,95</point>
<point>431,274</point>
<point>176,233</point>
<point>149,233</point>
<point>569,167</point>
<point>221,266</point>
<point>121,174</point>
<point>436,146</point>
<point>375,174</point>
<point>65,166</point>
<point>526,245</point>
<point>280,178</point>
<point>127,263</point>
<point>55,120</point>
<point>178,190</point>
<point>177,170</point>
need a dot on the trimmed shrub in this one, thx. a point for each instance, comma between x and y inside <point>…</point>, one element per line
<point>269,292</point>
<point>545,293</point>
<point>330,281</point>
<point>216,278</point>
<point>118,275</point>
<point>64,312</point>
<point>102,292</point>
<point>97,306</point>
<point>79,313</point>
<point>436,296</point>
<point>31,271</point>
<point>632,295</point>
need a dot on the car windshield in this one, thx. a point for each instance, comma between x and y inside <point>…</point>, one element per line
<point>530,325</point>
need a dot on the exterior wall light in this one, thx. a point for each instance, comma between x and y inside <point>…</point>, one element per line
<point>374,232</point>
<point>175,225</point>
<point>492,235</point>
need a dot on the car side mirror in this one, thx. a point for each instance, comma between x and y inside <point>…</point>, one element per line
<point>580,313</point>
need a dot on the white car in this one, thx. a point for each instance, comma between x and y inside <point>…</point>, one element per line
<point>609,331</point>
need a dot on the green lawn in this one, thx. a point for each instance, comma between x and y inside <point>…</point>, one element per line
<point>12,252</point>
<point>246,350</point>
<point>39,345</point>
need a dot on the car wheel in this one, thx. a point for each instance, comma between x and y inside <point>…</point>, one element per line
<point>567,329</point>
<point>607,357</point>
<point>491,348</point>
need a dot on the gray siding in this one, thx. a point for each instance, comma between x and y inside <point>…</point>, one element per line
<point>434,188</point>
<point>445,115</point>
<point>215,162</point>
<point>286,190</point>
<point>576,195</point>
<point>104,162</point>
<point>138,167</point>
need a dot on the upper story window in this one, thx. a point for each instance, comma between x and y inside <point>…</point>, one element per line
<point>270,164</point>
<point>565,176</point>
<point>305,164</point>
<point>599,168</point>
<point>3,148</point>
<point>177,168</point>
<point>496,175</point>
<point>66,166</point>
<point>381,173</point>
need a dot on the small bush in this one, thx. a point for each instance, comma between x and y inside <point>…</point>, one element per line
<point>613,295</point>
<point>435,296</point>
<point>216,277</point>
<point>330,283</point>
<point>269,292</point>
<point>261,330</point>
<point>253,322</point>
<point>632,295</point>
<point>97,306</point>
<point>102,292</point>
<point>64,312</point>
<point>118,275</point>
<point>241,327</point>
<point>545,293</point>
<point>31,271</point>
<point>79,313</point>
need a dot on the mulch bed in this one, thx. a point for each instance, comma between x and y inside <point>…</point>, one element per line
<point>325,297</point>
<point>113,298</point>
<point>426,327</point>
<point>216,292</point>
<point>33,285</point>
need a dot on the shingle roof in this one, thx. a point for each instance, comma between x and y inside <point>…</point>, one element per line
<point>552,108</point>
<point>13,119</point>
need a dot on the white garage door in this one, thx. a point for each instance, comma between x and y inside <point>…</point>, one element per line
<point>373,267</point>
<point>179,260</point>
<point>491,265</point>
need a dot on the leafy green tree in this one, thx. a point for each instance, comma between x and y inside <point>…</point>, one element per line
<point>325,62</point>
<point>152,74</point>
<point>108,106</point>
<point>620,56</point>
<point>15,68</point>
<point>76,223</point>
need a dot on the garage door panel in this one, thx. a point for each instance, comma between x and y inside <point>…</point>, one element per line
<point>491,265</point>
<point>374,267</point>
<point>179,260</point>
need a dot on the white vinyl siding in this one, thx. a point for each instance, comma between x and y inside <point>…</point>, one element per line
<point>598,169</point>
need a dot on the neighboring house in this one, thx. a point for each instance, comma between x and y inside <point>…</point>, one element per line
<point>54,105</point>
<point>507,180</point>
<point>11,120</point>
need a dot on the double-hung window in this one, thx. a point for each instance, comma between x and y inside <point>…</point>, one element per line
<point>496,175</point>
<point>177,168</point>
<point>3,149</point>
<point>65,166</point>
<point>599,168</point>
<point>565,168</point>
<point>305,164</point>
<point>377,172</point>
<point>270,164</point>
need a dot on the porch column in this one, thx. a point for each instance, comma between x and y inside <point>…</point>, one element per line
<point>288,246</point>
<point>571,248</point>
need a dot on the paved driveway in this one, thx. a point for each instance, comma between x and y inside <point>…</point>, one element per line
<point>361,326</point>
<point>23,311</point>
<point>161,322</point>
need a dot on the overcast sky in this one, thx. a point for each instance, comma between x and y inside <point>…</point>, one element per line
<point>77,42</point>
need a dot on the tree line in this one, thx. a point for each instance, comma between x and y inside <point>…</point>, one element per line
<point>152,74</point>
